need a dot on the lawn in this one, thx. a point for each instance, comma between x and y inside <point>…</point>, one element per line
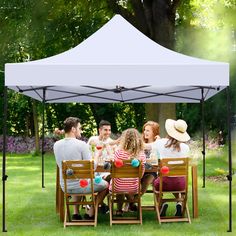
<point>30,210</point>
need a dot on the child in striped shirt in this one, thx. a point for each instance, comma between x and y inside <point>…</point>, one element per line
<point>131,146</point>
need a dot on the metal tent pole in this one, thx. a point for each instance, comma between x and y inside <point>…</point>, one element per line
<point>4,176</point>
<point>203,140</point>
<point>43,119</point>
<point>229,176</point>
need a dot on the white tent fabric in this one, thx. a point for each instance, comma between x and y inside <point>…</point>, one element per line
<point>118,64</point>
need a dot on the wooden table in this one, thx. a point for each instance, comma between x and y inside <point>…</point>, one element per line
<point>60,194</point>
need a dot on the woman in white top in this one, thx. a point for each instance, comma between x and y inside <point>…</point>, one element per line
<point>173,146</point>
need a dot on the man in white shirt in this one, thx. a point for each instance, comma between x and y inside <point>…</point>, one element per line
<point>104,131</point>
<point>70,148</point>
<point>103,140</point>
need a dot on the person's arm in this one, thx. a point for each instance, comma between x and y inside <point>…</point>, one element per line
<point>143,159</point>
<point>91,141</point>
<point>114,142</point>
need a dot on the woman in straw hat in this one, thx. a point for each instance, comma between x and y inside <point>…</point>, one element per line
<point>173,146</point>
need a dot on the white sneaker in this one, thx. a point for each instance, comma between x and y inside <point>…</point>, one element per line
<point>90,210</point>
<point>126,207</point>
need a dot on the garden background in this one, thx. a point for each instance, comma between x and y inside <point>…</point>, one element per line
<point>35,29</point>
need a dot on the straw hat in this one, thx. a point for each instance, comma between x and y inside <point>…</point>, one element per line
<point>177,129</point>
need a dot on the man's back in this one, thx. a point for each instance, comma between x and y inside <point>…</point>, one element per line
<point>70,149</point>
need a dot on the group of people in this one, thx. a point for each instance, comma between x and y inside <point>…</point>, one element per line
<point>131,144</point>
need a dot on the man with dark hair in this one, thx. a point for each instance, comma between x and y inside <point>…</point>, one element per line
<point>103,140</point>
<point>104,131</point>
<point>70,148</point>
<point>104,122</point>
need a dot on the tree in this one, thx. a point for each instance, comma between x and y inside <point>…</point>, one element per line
<point>46,28</point>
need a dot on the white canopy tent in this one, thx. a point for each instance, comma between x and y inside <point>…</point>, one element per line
<point>117,64</point>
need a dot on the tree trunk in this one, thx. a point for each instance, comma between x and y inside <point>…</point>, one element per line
<point>159,113</point>
<point>160,16</point>
<point>36,126</point>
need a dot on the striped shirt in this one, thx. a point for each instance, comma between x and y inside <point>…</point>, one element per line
<point>129,185</point>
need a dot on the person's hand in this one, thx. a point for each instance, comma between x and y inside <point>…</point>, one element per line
<point>147,146</point>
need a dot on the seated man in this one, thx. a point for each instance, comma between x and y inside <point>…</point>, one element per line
<point>103,140</point>
<point>70,148</point>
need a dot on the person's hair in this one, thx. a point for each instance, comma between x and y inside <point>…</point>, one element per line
<point>104,122</point>
<point>70,122</point>
<point>173,143</point>
<point>131,141</point>
<point>155,129</point>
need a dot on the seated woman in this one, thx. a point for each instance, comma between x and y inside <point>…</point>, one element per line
<point>131,146</point>
<point>173,146</point>
<point>150,134</point>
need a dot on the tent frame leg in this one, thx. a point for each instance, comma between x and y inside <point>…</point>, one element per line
<point>203,140</point>
<point>4,176</point>
<point>43,128</point>
<point>229,176</point>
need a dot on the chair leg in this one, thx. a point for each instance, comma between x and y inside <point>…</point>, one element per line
<point>140,212</point>
<point>65,218</point>
<point>68,210</point>
<point>96,214</point>
<point>110,209</point>
<point>61,204</point>
<point>57,192</point>
<point>157,208</point>
<point>188,215</point>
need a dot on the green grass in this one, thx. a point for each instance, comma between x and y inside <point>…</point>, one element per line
<point>30,210</point>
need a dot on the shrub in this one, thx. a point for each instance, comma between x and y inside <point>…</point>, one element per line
<point>22,144</point>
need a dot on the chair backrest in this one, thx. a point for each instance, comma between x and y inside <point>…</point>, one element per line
<point>176,166</point>
<point>78,170</point>
<point>173,167</point>
<point>126,171</point>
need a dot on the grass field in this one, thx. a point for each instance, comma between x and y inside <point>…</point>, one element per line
<point>30,210</point>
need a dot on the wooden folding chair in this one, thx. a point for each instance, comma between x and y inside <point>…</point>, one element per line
<point>177,167</point>
<point>150,207</point>
<point>79,170</point>
<point>126,171</point>
<point>60,205</point>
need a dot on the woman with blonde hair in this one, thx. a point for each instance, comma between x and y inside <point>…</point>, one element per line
<point>130,146</point>
<point>150,134</point>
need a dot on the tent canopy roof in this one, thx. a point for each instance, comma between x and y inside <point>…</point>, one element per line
<point>118,64</point>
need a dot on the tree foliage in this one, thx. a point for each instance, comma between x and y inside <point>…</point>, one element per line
<point>35,29</point>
